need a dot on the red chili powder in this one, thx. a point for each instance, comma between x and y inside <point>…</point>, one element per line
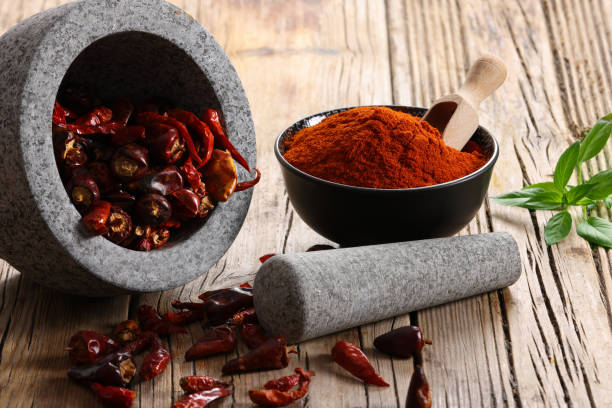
<point>381,148</point>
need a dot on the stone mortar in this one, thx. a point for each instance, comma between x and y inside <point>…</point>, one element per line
<point>112,48</point>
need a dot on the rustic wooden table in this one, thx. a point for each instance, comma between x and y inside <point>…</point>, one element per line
<point>545,341</point>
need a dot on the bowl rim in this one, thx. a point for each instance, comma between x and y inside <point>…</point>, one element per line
<point>489,164</point>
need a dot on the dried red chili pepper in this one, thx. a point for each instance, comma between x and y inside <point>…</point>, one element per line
<point>206,206</point>
<point>319,247</point>
<point>197,126</point>
<point>196,383</point>
<point>165,143</point>
<point>121,199</point>
<point>177,304</point>
<point>149,319</point>
<point>215,341</point>
<point>271,355</point>
<point>253,334</point>
<point>185,203</point>
<point>126,332</point>
<point>142,341</point>
<point>278,397</point>
<point>59,114</point>
<point>150,118</point>
<point>83,190</point>
<point>112,396</point>
<point>220,175</point>
<point>248,184</point>
<point>116,369</point>
<point>72,150</point>
<point>202,398</point>
<point>119,225</point>
<point>419,395</point>
<point>96,218</point>
<point>101,174</point>
<point>245,316</point>
<point>130,162</point>
<point>159,236</point>
<point>211,117</point>
<point>122,110</point>
<point>193,177</point>
<point>103,129</point>
<point>127,135</point>
<point>87,347</point>
<point>353,360</point>
<point>152,209</point>
<point>403,342</point>
<point>164,182</point>
<point>95,117</point>
<point>246,285</point>
<point>155,361</point>
<point>284,383</point>
<point>184,318</point>
<point>173,222</point>
<point>265,257</point>
<point>222,305</point>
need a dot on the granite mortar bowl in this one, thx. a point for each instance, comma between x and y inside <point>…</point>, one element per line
<point>354,216</point>
<point>138,49</point>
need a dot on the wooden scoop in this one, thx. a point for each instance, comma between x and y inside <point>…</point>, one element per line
<point>456,115</point>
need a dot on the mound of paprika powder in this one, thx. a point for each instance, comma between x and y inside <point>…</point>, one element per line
<point>379,147</point>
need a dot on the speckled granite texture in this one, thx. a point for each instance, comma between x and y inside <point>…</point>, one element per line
<point>303,296</point>
<point>113,47</point>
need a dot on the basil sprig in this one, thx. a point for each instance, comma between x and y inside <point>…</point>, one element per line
<point>558,195</point>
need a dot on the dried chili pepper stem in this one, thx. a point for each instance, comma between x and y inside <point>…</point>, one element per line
<point>211,117</point>
<point>248,184</point>
<point>353,360</point>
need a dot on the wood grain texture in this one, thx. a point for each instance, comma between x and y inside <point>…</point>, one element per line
<point>545,341</point>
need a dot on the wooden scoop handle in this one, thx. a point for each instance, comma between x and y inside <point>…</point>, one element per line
<point>485,76</point>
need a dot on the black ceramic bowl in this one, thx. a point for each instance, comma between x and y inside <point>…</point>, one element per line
<point>354,216</point>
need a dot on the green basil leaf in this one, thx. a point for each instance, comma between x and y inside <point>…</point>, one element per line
<point>566,165</point>
<point>578,192</point>
<point>608,202</point>
<point>597,231</point>
<point>531,198</point>
<point>547,186</point>
<point>596,139</point>
<point>602,185</point>
<point>557,227</point>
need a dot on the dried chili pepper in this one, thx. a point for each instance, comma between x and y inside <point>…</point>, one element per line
<point>142,341</point>
<point>59,114</point>
<point>276,392</point>
<point>117,397</point>
<point>215,341</point>
<point>196,306</point>
<point>159,236</point>
<point>185,203</point>
<point>96,218</point>
<point>193,177</point>
<point>184,318</point>
<point>353,360</point>
<point>196,383</point>
<point>319,247</point>
<point>116,369</point>
<point>155,361</point>
<point>104,129</point>
<point>127,135</point>
<point>151,118</point>
<point>95,117</point>
<point>83,190</point>
<point>126,332</point>
<point>122,110</point>
<point>253,334</point>
<point>211,117</point>
<point>246,285</point>
<point>248,184</point>
<point>121,199</point>
<point>202,398</point>
<point>265,257</point>
<point>403,342</point>
<point>119,225</point>
<point>164,182</point>
<point>130,162</point>
<point>220,175</point>
<point>245,316</point>
<point>87,347</point>
<point>101,174</point>
<point>206,206</point>
<point>223,304</point>
<point>72,150</point>
<point>165,143</point>
<point>271,355</point>
<point>152,209</point>
<point>197,126</point>
<point>419,395</point>
<point>149,319</point>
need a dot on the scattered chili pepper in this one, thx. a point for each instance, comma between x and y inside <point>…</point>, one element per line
<point>149,319</point>
<point>127,135</point>
<point>96,218</point>
<point>248,184</point>
<point>419,395</point>
<point>402,342</point>
<point>199,127</point>
<point>156,360</point>
<point>211,117</point>
<point>87,347</point>
<point>177,304</point>
<point>265,257</point>
<point>245,316</point>
<point>217,340</point>
<point>353,360</point>
<point>184,318</point>
<point>202,398</point>
<point>319,247</point>
<point>271,355</point>
<point>117,397</point>
<point>116,369</point>
<point>196,383</point>
<point>221,305</point>
<point>253,334</point>
<point>165,143</point>
<point>276,392</point>
<point>126,332</point>
<point>142,341</point>
<point>220,174</point>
